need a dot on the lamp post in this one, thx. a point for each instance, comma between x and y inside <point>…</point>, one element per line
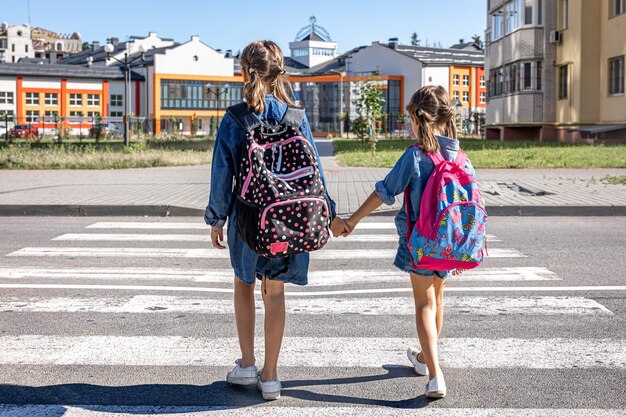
<point>217,92</point>
<point>341,115</point>
<point>109,48</point>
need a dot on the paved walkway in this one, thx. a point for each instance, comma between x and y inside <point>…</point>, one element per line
<point>184,191</point>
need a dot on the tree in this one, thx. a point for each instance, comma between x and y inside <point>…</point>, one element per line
<point>477,41</point>
<point>415,40</point>
<point>85,46</point>
<point>369,106</point>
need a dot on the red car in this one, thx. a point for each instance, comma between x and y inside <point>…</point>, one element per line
<point>24,131</point>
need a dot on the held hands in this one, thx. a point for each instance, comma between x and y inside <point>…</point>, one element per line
<point>342,227</point>
<point>217,237</point>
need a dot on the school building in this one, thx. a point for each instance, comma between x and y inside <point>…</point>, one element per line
<point>187,86</point>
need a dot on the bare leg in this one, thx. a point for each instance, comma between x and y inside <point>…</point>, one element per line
<point>245,316</point>
<point>274,300</point>
<point>425,319</point>
<point>439,285</point>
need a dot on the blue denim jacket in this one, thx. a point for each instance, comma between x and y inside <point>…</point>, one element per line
<point>224,169</point>
<point>413,170</point>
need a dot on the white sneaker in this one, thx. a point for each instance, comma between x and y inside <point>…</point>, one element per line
<point>420,368</point>
<point>269,389</point>
<point>436,388</point>
<point>242,376</point>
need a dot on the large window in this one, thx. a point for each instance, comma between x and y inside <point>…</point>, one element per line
<point>527,76</point>
<point>528,12</point>
<point>497,25</point>
<point>117,100</point>
<point>201,95</point>
<point>76,99</point>
<point>539,75</point>
<point>563,87</point>
<point>455,79</point>
<point>93,100</point>
<point>32,116</point>
<point>617,7</point>
<point>6,116</point>
<point>466,80</point>
<point>540,12</point>
<point>32,99</point>
<point>323,51</point>
<point>6,97</point>
<point>513,20</point>
<point>299,52</point>
<point>616,76</point>
<point>51,99</point>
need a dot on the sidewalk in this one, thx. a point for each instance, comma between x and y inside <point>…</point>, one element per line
<point>183,191</point>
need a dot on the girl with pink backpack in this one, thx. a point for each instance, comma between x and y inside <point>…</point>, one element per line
<point>441,226</point>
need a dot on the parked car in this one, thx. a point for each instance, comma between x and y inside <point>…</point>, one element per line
<point>104,130</point>
<point>3,131</point>
<point>24,131</point>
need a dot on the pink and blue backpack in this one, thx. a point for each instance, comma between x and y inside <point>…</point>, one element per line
<point>450,231</point>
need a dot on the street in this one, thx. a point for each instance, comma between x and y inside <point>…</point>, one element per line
<point>133,315</point>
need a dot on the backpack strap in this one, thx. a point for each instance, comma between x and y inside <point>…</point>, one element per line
<point>436,158</point>
<point>244,116</point>
<point>293,117</point>
<point>461,159</point>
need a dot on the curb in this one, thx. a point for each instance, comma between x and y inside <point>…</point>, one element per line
<point>178,211</point>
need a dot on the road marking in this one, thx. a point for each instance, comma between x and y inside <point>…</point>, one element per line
<point>149,225</point>
<point>555,353</point>
<point>316,278</point>
<point>90,410</point>
<point>312,293</point>
<point>395,306</point>
<point>328,254</point>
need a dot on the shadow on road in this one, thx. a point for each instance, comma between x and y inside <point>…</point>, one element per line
<point>217,394</point>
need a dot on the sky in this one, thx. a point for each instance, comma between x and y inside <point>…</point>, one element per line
<point>228,24</point>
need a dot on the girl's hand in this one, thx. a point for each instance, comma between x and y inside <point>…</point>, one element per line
<point>351,224</point>
<point>217,236</point>
<point>339,227</point>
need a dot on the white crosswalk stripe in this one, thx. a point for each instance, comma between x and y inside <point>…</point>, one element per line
<point>274,411</point>
<point>326,254</point>
<point>466,353</point>
<point>316,278</point>
<point>402,306</point>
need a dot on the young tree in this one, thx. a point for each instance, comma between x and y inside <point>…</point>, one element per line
<point>476,39</point>
<point>369,105</point>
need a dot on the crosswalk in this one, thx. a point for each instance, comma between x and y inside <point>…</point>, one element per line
<point>126,277</point>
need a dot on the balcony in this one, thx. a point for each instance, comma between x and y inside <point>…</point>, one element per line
<point>526,43</point>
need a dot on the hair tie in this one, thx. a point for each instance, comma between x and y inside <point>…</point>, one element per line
<point>283,72</point>
<point>251,71</point>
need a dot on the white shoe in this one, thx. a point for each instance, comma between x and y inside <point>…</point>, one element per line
<point>436,388</point>
<point>242,376</point>
<point>269,389</point>
<point>420,368</point>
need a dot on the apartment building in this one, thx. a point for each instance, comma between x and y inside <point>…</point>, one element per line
<point>555,70</point>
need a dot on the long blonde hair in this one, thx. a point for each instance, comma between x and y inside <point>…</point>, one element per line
<point>430,107</point>
<point>265,65</point>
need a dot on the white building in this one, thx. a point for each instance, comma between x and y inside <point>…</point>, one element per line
<point>15,42</point>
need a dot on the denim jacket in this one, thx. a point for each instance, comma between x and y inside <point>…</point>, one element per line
<point>224,169</point>
<point>413,170</point>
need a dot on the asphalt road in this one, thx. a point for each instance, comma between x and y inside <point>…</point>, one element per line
<point>539,329</point>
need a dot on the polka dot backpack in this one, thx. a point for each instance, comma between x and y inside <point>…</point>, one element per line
<point>281,202</point>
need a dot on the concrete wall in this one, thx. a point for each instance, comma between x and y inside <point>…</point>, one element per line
<point>436,76</point>
<point>194,58</point>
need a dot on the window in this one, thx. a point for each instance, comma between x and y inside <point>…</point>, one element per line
<point>26,48</point>
<point>93,100</point>
<point>117,100</point>
<point>563,87</point>
<point>6,97</point>
<point>513,20</point>
<point>322,51</point>
<point>497,25</point>
<point>93,114</point>
<point>51,99</point>
<point>466,80</point>
<point>12,47</point>
<point>76,100</point>
<point>482,81</point>
<point>465,96</point>
<point>32,116</point>
<point>527,74</point>
<point>50,114</point>
<point>617,7</point>
<point>116,114</point>
<point>482,97</point>
<point>300,52</point>
<point>199,95</point>
<point>528,12</point>
<point>616,76</point>
<point>76,114</point>
<point>6,115</point>
<point>455,79</point>
<point>455,95</point>
<point>540,12</point>
<point>539,75</point>
<point>32,99</point>
<point>564,15</point>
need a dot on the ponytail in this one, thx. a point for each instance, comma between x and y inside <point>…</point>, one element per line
<point>430,107</point>
<point>265,65</point>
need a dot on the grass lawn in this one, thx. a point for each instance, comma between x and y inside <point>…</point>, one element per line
<point>492,154</point>
<point>155,153</point>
